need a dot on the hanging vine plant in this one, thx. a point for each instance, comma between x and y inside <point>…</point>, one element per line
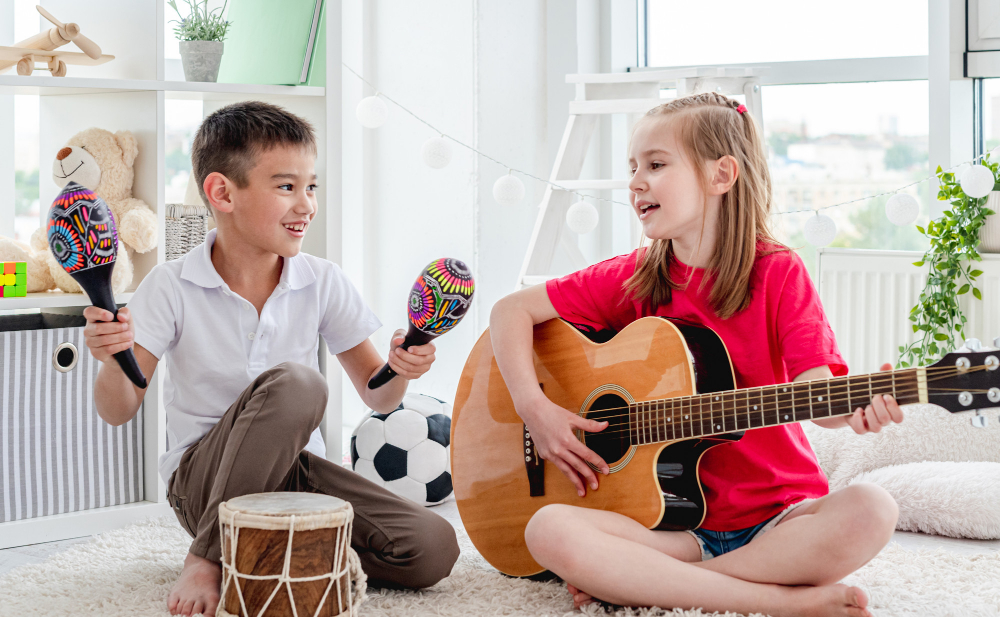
<point>954,239</point>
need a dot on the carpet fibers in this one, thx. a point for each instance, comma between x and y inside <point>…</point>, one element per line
<point>128,572</point>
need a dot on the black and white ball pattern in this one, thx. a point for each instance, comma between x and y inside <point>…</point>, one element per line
<point>406,451</point>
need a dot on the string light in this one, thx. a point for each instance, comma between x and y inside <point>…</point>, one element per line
<point>508,190</point>
<point>372,112</point>
<point>375,114</point>
<point>436,152</point>
<point>582,217</point>
<point>819,230</point>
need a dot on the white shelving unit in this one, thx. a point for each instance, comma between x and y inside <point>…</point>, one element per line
<point>128,93</point>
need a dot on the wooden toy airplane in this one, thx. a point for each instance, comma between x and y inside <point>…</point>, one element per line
<point>39,48</point>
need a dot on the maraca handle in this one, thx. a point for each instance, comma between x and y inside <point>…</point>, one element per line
<point>382,377</point>
<point>101,297</point>
<point>130,366</point>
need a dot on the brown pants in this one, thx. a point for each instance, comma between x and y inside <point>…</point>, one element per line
<point>257,447</point>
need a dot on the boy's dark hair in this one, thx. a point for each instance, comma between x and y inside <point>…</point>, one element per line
<point>230,139</point>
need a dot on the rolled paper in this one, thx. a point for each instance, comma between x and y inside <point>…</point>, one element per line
<point>439,299</point>
<point>83,237</point>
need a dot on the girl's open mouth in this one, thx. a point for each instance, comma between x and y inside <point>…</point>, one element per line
<point>647,209</point>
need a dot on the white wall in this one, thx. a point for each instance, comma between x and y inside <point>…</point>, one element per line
<point>490,74</point>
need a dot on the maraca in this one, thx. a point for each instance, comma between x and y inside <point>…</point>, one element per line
<point>438,301</point>
<point>83,237</point>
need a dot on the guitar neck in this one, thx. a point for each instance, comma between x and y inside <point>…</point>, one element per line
<point>716,413</point>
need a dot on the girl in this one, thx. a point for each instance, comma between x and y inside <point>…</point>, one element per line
<point>773,541</point>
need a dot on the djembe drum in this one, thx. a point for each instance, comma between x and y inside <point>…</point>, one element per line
<point>280,549</point>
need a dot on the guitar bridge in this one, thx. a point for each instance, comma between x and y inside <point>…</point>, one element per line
<point>534,465</point>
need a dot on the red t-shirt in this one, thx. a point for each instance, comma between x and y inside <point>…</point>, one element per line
<point>782,333</point>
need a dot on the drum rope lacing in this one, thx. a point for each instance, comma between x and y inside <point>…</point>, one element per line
<point>352,568</point>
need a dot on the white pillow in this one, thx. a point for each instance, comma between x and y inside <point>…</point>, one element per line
<point>927,433</point>
<point>961,500</point>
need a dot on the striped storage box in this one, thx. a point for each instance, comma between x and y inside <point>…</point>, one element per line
<point>56,454</point>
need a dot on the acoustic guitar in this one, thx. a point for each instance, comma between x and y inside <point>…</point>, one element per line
<point>667,391</point>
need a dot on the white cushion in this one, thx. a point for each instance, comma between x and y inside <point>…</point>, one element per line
<point>961,500</point>
<point>927,433</point>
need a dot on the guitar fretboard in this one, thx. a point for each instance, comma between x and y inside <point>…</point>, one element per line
<point>716,413</point>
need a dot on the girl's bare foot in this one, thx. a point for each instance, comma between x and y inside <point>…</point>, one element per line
<point>579,598</point>
<point>828,601</point>
<point>197,589</point>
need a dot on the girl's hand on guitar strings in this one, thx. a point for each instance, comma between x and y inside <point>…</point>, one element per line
<point>883,411</point>
<point>551,428</point>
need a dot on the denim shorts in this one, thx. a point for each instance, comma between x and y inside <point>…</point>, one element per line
<point>715,543</point>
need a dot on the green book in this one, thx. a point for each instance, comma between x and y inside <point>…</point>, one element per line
<point>281,43</point>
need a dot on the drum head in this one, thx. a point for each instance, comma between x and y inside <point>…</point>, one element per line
<point>283,504</point>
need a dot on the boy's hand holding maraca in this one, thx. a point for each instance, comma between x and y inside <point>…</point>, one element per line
<point>105,336</point>
<point>438,300</point>
<point>409,363</point>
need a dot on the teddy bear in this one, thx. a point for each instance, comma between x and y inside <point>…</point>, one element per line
<point>102,161</point>
<point>39,275</point>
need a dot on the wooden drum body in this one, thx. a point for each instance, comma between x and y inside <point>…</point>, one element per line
<point>285,548</point>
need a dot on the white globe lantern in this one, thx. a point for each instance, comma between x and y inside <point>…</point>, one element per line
<point>977,181</point>
<point>582,217</point>
<point>508,190</point>
<point>436,152</point>
<point>902,209</point>
<point>820,230</point>
<point>372,112</point>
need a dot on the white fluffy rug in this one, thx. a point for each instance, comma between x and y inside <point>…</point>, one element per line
<point>128,572</point>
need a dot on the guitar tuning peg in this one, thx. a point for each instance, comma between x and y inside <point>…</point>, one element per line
<point>978,421</point>
<point>973,344</point>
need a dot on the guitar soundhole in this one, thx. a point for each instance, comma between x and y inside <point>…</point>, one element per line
<point>611,444</point>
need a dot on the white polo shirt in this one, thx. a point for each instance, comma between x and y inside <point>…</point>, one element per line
<point>214,343</point>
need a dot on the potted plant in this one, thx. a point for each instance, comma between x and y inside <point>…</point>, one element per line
<point>955,244</point>
<point>200,34</point>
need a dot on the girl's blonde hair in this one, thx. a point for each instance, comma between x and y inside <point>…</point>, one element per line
<point>710,127</point>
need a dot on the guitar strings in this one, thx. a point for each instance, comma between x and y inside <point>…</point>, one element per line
<point>691,426</point>
<point>700,415</point>
<point>850,390</point>
<point>696,420</point>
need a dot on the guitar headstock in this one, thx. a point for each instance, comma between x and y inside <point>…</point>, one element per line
<point>967,379</point>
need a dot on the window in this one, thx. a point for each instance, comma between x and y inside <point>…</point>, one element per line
<point>837,128</point>
<point>684,33</point>
<point>182,118</point>
<point>831,143</point>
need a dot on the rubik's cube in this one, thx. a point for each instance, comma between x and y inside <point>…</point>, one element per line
<point>15,279</point>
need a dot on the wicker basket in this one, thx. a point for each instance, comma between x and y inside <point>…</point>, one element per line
<point>186,228</point>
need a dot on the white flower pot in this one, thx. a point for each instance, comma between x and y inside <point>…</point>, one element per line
<point>989,233</point>
<point>201,59</point>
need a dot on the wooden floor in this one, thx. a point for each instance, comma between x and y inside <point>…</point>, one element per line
<point>36,553</point>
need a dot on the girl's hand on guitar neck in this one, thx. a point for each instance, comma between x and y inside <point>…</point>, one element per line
<point>551,428</point>
<point>882,411</point>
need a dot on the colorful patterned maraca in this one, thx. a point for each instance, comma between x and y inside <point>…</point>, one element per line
<point>83,237</point>
<point>438,301</point>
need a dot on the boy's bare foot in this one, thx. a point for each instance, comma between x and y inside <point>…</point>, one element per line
<point>197,590</point>
<point>829,600</point>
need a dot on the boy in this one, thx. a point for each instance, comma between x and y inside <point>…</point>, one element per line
<point>238,319</point>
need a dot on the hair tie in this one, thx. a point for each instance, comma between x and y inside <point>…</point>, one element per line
<point>742,108</point>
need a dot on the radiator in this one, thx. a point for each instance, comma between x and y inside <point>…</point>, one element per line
<point>56,454</point>
<point>867,296</point>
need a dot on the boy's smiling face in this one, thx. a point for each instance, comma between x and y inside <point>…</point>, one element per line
<point>274,210</point>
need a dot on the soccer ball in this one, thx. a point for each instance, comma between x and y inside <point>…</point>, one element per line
<point>406,451</point>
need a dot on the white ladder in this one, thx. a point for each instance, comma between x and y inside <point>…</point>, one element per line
<point>633,94</point>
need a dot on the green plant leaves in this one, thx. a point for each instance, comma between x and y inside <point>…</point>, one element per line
<point>954,240</point>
